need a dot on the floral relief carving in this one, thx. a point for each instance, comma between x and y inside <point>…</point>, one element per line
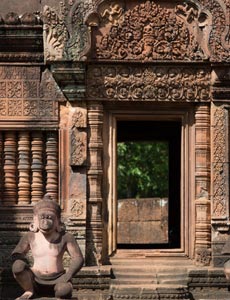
<point>3,108</point>
<point>15,107</point>
<point>77,207</point>
<point>30,89</point>
<point>78,147</point>
<point>148,83</point>
<point>24,94</point>
<point>79,119</point>
<point>2,89</point>
<point>220,31</point>
<point>219,163</point>
<point>14,89</point>
<point>66,37</point>
<point>149,32</point>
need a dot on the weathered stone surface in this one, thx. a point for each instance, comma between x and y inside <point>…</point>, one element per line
<point>142,221</point>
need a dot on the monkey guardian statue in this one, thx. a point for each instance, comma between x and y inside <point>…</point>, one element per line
<point>48,243</point>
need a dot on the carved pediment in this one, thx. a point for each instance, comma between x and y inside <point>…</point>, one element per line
<point>190,30</point>
<point>150,31</point>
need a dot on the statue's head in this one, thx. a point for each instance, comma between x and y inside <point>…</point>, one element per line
<point>47,216</point>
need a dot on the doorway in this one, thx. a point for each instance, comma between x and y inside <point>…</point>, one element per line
<point>148,184</point>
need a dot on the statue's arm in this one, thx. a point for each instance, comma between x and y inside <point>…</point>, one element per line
<point>75,253</point>
<point>22,248</point>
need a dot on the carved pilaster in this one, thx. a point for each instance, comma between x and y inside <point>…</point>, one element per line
<point>202,150</point>
<point>202,182</point>
<point>37,166</point>
<point>94,228</point>
<point>220,177</point>
<point>52,164</point>
<point>23,167</point>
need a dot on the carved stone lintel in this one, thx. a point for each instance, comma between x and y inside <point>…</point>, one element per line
<point>130,83</point>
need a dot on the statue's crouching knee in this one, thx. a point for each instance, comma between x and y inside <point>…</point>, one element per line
<point>19,266</point>
<point>63,290</point>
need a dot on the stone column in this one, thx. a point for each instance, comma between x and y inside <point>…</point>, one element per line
<point>52,164</point>
<point>23,167</point>
<point>37,166</point>
<point>94,209</point>
<point>10,168</point>
<point>202,185</point>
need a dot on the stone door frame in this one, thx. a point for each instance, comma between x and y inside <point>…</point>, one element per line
<point>152,112</point>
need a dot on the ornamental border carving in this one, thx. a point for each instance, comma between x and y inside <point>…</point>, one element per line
<point>220,162</point>
<point>148,83</point>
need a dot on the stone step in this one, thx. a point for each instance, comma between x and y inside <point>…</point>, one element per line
<point>146,286</point>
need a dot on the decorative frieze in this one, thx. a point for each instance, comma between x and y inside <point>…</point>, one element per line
<point>135,83</point>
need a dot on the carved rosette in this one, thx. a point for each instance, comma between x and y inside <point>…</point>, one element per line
<point>149,31</point>
<point>125,83</point>
<point>220,163</point>
<point>66,37</point>
<point>94,230</point>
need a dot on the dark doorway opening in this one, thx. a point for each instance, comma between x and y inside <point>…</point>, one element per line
<point>148,193</point>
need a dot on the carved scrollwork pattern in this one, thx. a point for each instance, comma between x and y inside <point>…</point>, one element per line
<point>219,163</point>
<point>148,32</point>
<point>148,83</point>
<point>79,119</point>
<point>78,147</point>
<point>220,31</point>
